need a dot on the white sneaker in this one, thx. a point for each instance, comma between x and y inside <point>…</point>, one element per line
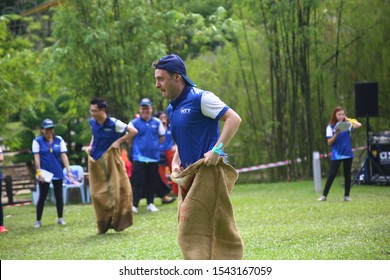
<point>151,208</point>
<point>347,198</point>
<point>37,224</point>
<point>61,222</point>
<point>135,210</point>
<point>322,198</point>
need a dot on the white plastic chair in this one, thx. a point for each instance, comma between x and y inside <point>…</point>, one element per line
<point>76,182</point>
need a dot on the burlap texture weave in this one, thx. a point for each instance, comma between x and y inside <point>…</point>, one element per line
<point>111,192</point>
<point>207,228</point>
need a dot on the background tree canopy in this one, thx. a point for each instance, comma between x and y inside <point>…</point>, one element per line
<point>282,65</point>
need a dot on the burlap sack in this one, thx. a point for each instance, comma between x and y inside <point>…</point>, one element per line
<point>111,192</point>
<point>207,229</point>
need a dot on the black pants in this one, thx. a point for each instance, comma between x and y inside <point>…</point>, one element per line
<point>144,181</point>
<point>43,191</point>
<point>334,167</point>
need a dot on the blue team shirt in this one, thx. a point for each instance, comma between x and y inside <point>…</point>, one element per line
<point>146,143</point>
<point>342,146</point>
<point>194,133</point>
<point>50,155</point>
<point>104,135</point>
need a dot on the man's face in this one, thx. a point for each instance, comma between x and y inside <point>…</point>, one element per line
<point>146,112</point>
<point>95,112</point>
<point>167,84</point>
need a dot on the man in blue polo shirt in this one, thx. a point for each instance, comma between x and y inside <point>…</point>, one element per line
<point>110,187</point>
<point>106,131</point>
<point>194,115</point>
<point>146,155</point>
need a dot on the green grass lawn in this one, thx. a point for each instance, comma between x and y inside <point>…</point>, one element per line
<point>281,221</point>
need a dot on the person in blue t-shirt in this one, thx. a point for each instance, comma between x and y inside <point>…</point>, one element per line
<point>106,131</point>
<point>194,115</point>
<point>146,155</point>
<point>49,149</point>
<point>108,134</point>
<point>2,227</point>
<point>341,147</point>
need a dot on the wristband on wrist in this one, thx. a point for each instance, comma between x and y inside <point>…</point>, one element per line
<point>38,172</point>
<point>218,150</point>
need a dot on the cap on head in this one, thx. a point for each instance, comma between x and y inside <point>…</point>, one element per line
<point>47,123</point>
<point>145,102</point>
<point>173,63</point>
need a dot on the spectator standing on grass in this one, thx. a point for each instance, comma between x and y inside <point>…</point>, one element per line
<point>145,178</point>
<point>49,150</point>
<point>2,227</point>
<point>341,147</point>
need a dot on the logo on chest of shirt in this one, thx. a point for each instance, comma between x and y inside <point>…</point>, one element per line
<point>107,129</point>
<point>185,111</point>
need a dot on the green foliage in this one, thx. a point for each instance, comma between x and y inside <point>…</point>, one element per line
<point>107,56</point>
<point>41,109</point>
<point>110,55</point>
<point>23,157</point>
<point>62,130</point>
<point>21,140</point>
<point>82,132</point>
<point>18,78</point>
<point>63,102</point>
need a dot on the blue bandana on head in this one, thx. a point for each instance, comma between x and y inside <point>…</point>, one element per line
<point>173,63</point>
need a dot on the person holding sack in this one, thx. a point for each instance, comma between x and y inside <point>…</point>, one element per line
<point>207,228</point>
<point>49,149</point>
<point>338,134</point>
<point>110,186</point>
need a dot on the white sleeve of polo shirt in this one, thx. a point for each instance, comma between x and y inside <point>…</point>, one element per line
<point>35,147</point>
<point>329,132</point>
<point>120,126</point>
<point>131,124</point>
<point>211,105</point>
<point>161,129</point>
<point>63,148</point>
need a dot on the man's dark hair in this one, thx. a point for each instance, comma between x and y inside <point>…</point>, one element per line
<point>100,102</point>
